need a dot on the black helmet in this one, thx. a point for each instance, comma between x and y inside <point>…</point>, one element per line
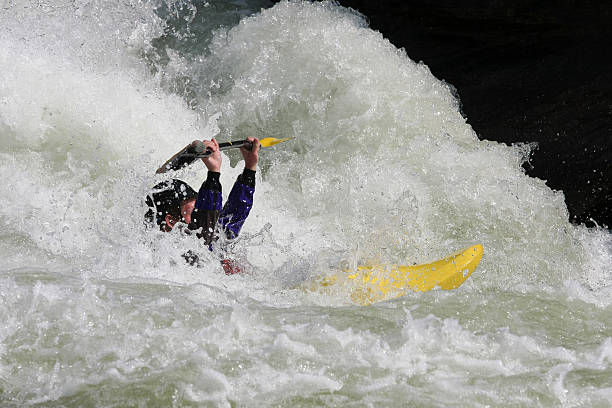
<point>166,198</point>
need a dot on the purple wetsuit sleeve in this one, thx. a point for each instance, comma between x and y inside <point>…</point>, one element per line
<point>207,207</point>
<point>209,196</point>
<point>239,204</point>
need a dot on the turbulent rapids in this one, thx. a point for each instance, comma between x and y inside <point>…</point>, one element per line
<point>99,310</point>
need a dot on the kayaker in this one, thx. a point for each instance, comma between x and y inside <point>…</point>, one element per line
<point>174,201</point>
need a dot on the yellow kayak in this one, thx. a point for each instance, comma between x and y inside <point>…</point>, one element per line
<point>371,284</point>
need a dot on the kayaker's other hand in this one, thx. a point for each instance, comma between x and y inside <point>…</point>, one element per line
<point>251,156</point>
<point>212,162</point>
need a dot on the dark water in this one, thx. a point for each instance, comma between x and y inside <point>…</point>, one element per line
<point>525,71</point>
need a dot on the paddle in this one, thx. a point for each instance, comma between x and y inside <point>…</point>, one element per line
<point>197,150</point>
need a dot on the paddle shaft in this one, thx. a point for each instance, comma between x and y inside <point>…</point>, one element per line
<point>198,150</point>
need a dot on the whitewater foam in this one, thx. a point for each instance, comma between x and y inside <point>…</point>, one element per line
<point>100,310</point>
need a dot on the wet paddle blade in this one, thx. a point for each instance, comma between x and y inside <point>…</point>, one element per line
<point>271,141</point>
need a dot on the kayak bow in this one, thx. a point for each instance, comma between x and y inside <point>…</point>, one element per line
<point>376,283</point>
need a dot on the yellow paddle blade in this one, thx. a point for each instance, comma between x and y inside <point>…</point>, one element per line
<point>271,141</point>
<point>371,284</point>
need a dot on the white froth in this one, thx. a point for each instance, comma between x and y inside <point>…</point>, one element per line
<point>100,311</point>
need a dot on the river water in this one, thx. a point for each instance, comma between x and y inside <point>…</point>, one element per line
<point>99,311</point>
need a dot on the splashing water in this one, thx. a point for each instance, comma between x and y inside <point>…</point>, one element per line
<point>100,311</point>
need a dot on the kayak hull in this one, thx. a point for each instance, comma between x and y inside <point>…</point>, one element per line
<point>376,283</point>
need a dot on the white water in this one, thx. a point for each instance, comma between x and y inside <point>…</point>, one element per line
<point>99,311</point>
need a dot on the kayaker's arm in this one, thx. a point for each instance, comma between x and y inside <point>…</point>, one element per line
<point>240,201</point>
<point>207,207</point>
<point>209,201</point>
<point>238,204</point>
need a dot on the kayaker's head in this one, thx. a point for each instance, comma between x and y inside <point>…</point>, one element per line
<point>170,201</point>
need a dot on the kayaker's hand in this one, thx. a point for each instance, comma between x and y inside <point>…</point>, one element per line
<point>212,162</point>
<point>251,156</point>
